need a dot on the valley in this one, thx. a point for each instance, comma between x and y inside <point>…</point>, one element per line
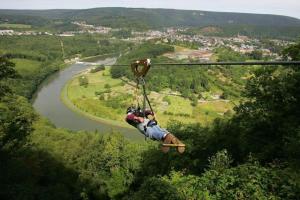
<point>66,83</point>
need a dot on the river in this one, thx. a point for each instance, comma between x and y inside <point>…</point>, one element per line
<point>47,102</point>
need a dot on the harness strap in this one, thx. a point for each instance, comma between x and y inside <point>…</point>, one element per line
<point>145,97</point>
<point>136,96</point>
<point>140,74</point>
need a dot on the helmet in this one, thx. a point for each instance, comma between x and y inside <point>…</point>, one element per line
<point>131,109</point>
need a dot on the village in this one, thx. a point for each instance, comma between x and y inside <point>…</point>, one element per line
<point>205,45</point>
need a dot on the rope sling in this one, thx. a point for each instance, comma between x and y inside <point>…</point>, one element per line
<point>140,75</point>
<point>141,81</point>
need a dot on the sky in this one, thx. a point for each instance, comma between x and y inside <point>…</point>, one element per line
<point>280,7</point>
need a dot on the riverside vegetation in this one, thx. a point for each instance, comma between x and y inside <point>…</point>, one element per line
<point>254,154</point>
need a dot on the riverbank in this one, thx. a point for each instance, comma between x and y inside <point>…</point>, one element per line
<point>62,66</point>
<point>64,98</point>
<point>98,57</point>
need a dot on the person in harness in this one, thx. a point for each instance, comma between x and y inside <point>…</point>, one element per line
<point>146,125</point>
<point>144,119</point>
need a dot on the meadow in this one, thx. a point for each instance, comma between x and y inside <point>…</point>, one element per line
<point>108,98</point>
<point>26,67</point>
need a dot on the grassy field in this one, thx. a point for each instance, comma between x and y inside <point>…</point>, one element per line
<point>85,98</point>
<point>91,115</point>
<point>108,98</point>
<point>15,26</point>
<point>26,67</point>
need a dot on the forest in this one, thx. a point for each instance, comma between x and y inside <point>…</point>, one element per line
<point>252,155</point>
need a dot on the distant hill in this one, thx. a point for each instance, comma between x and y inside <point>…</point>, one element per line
<point>140,18</point>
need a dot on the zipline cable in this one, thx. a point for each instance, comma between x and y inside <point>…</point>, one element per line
<point>146,96</point>
<point>284,63</point>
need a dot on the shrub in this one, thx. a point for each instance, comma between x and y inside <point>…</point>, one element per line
<point>107,86</point>
<point>83,81</point>
<point>97,69</point>
<point>167,99</point>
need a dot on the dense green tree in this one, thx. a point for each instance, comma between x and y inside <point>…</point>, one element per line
<point>194,100</point>
<point>83,81</point>
<point>34,174</point>
<point>246,181</point>
<point>256,55</point>
<point>292,52</point>
<point>227,54</point>
<point>16,115</point>
<point>16,118</point>
<point>107,86</point>
<point>270,118</point>
<point>221,180</point>
<point>6,71</point>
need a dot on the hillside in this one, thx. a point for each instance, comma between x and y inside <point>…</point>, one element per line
<point>140,18</point>
<point>252,155</point>
<point>157,17</point>
<point>240,125</point>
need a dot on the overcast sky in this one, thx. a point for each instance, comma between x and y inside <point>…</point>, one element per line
<point>281,7</point>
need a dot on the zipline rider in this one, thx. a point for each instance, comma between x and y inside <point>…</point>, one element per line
<point>144,119</point>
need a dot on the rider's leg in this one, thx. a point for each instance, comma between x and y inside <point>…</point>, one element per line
<point>155,132</point>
